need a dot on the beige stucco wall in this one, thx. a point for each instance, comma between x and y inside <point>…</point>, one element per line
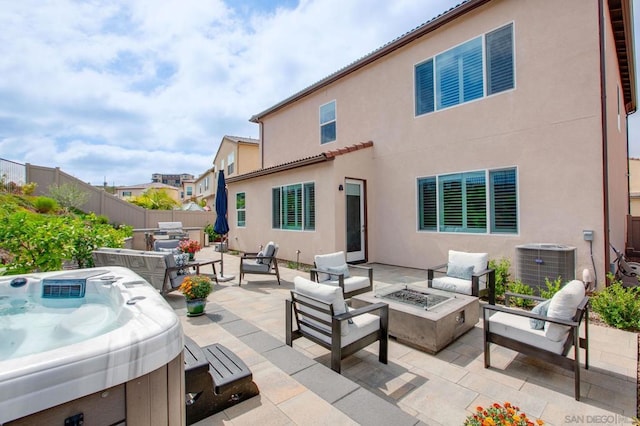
<point>204,188</point>
<point>330,232</point>
<point>247,158</point>
<point>549,127</point>
<point>634,185</point>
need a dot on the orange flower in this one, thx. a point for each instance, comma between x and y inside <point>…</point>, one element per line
<point>497,414</point>
<point>196,286</point>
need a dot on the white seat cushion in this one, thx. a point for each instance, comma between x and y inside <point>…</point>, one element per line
<point>461,259</point>
<point>452,284</point>
<point>362,325</point>
<point>350,284</point>
<point>563,305</point>
<point>518,328</point>
<point>478,260</point>
<point>328,261</point>
<point>324,293</point>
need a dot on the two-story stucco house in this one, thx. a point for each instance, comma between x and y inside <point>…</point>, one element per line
<point>237,155</point>
<point>497,124</point>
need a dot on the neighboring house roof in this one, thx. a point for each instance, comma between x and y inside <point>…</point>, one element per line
<point>211,170</point>
<point>621,20</point>
<point>147,186</point>
<point>325,156</point>
<point>240,139</point>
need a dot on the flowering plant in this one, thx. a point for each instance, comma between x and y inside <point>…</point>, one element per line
<point>500,415</point>
<point>195,287</point>
<point>189,246</point>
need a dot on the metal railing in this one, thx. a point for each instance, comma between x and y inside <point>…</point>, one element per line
<point>12,176</point>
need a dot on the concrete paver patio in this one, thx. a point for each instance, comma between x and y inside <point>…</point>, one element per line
<point>297,386</point>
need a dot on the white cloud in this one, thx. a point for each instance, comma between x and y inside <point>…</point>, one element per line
<point>123,89</point>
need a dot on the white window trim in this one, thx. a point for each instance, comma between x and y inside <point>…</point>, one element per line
<point>488,232</point>
<point>240,210</point>
<point>320,123</point>
<point>484,72</point>
<point>302,184</point>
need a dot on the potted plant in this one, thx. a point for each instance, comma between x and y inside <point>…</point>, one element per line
<point>189,246</point>
<point>497,414</point>
<point>196,288</point>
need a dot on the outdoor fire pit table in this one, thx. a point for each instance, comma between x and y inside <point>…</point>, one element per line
<point>425,318</point>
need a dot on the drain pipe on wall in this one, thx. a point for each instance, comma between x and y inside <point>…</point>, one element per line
<point>603,118</point>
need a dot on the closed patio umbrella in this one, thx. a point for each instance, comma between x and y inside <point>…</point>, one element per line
<point>221,226</point>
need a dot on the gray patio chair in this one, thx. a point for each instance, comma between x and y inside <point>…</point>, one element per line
<point>322,316</point>
<point>544,333</point>
<point>263,262</point>
<point>166,245</point>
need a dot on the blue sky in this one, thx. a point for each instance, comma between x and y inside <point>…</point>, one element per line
<point>122,89</point>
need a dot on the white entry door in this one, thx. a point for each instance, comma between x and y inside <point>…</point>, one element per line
<point>356,225</point>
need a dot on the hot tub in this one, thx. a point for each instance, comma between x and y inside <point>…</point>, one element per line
<point>68,335</point>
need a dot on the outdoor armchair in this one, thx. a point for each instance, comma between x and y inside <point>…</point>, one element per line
<point>320,314</point>
<point>547,332</point>
<point>466,273</point>
<point>333,269</point>
<point>263,262</point>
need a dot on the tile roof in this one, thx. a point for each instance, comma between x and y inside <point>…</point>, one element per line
<point>242,139</point>
<point>322,157</point>
<point>147,185</point>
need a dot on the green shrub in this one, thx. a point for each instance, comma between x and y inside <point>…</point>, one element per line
<point>155,199</point>
<point>28,188</point>
<point>552,287</point>
<point>501,266</point>
<point>45,204</point>
<point>618,306</point>
<point>69,196</point>
<point>520,288</point>
<point>208,229</point>
<point>43,242</point>
<point>102,219</point>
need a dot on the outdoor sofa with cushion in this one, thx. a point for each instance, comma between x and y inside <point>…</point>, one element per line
<point>164,270</point>
<point>466,273</point>
<point>547,332</point>
<point>333,269</point>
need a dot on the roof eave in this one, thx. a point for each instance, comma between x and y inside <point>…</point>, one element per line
<point>283,167</point>
<point>627,12</point>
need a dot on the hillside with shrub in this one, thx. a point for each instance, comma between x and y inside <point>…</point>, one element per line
<point>37,234</point>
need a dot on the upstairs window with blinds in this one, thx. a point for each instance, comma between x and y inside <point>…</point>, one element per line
<point>328,122</point>
<point>293,207</point>
<point>241,210</point>
<point>473,202</point>
<point>480,67</point>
